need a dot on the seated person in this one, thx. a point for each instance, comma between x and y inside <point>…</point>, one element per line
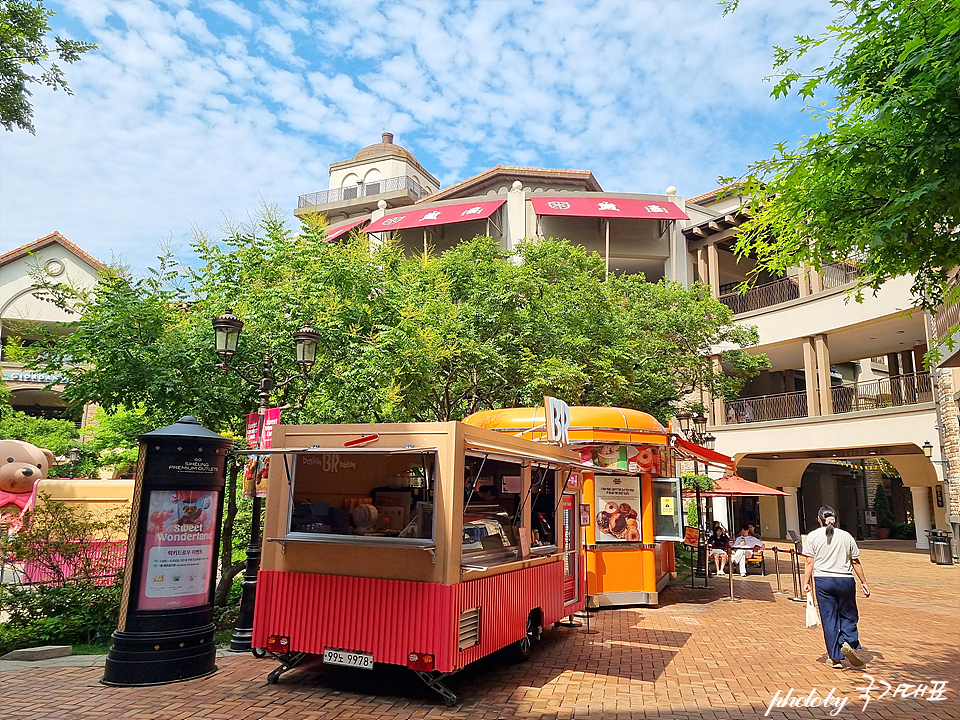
<point>753,530</point>
<point>486,493</point>
<point>746,542</point>
<point>718,541</point>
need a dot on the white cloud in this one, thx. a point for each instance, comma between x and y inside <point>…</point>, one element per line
<point>190,110</point>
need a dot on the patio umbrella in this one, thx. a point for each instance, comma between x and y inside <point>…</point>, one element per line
<point>736,486</point>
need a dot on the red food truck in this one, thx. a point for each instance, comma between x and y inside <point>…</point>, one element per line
<point>425,545</point>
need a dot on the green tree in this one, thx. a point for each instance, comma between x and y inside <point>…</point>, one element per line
<point>881,506</point>
<point>402,337</point>
<point>880,184</point>
<point>24,49</point>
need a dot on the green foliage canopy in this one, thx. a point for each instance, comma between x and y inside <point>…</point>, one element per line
<point>23,50</point>
<point>402,337</point>
<point>880,185</point>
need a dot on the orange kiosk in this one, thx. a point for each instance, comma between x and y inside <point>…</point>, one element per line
<point>631,513</point>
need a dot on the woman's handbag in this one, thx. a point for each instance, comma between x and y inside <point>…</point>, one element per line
<point>813,617</point>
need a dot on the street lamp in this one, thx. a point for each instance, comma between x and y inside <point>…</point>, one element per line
<point>264,377</point>
<point>74,454</point>
<point>695,428</point>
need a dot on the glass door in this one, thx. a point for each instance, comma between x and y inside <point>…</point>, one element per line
<point>568,540</point>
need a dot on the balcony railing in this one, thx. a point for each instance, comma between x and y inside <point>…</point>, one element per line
<point>834,275</point>
<point>352,192</point>
<point>947,316</point>
<point>839,274</point>
<point>761,296</point>
<point>894,391</point>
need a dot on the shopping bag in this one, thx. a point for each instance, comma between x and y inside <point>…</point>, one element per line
<point>813,617</point>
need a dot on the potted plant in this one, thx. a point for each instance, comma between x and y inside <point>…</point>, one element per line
<point>881,506</point>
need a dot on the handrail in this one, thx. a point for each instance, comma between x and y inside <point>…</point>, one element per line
<point>894,391</point>
<point>377,187</point>
<point>782,290</point>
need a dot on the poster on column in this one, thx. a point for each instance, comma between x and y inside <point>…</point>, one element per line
<point>178,552</point>
<point>618,505</point>
<point>258,466</point>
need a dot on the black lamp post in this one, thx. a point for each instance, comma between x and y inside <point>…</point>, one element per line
<point>264,377</point>
<point>695,428</point>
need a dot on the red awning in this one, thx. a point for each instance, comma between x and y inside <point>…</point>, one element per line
<point>608,207</point>
<point>343,229</point>
<point>703,454</point>
<point>445,215</point>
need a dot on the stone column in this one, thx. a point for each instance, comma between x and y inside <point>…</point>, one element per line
<point>810,377</point>
<point>713,267</point>
<point>718,406</point>
<point>823,375</point>
<point>515,217</point>
<point>702,272</point>
<point>791,510</point>
<point>921,514</point>
<point>949,424</point>
<point>720,512</point>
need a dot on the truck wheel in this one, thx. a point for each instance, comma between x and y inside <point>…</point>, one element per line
<point>522,649</point>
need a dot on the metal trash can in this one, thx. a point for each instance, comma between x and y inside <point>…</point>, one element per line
<point>940,550</point>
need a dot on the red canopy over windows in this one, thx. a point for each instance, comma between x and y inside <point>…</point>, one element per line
<point>445,215</point>
<point>343,229</point>
<point>607,207</point>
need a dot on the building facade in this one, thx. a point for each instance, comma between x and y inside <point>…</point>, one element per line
<point>846,403</point>
<point>25,315</point>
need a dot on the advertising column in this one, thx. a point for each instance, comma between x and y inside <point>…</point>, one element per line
<point>165,631</point>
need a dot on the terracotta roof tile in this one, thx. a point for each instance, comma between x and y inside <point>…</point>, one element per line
<point>53,238</point>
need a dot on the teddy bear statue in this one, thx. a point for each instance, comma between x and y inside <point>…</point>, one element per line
<point>21,465</point>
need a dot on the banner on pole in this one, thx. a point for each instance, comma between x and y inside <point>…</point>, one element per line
<point>259,437</point>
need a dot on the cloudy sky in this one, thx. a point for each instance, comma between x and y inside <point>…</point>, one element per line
<point>190,112</point>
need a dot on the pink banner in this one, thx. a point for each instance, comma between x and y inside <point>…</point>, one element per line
<point>258,466</point>
<point>178,552</point>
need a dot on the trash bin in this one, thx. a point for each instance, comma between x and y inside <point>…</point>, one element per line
<point>940,550</point>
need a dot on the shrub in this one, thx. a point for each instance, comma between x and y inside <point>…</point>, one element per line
<point>881,506</point>
<point>64,613</point>
<point>904,531</point>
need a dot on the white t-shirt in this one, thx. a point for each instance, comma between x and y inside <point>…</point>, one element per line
<point>746,542</point>
<point>833,560</point>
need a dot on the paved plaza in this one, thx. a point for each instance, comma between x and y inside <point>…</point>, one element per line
<point>694,656</point>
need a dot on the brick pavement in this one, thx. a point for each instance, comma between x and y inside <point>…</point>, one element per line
<point>694,656</point>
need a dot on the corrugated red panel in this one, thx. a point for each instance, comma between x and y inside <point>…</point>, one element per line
<point>391,618</point>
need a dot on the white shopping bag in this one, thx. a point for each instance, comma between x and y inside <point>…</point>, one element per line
<point>813,617</point>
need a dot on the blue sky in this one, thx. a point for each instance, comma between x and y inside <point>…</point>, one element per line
<point>191,112</point>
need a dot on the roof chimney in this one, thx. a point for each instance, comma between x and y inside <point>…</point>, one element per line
<point>388,138</point>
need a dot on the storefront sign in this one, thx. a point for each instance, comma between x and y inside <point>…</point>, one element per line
<point>31,377</point>
<point>558,420</point>
<point>178,549</point>
<point>667,506</point>
<point>618,506</point>
<point>939,490</point>
<point>585,515</point>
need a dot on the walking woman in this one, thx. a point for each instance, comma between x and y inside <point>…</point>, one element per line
<point>832,557</point>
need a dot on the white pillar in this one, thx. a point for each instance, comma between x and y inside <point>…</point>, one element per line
<point>791,510</point>
<point>921,515</point>
<point>720,512</point>
<point>515,218</point>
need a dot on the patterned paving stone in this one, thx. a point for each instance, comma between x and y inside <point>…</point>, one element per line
<point>693,656</point>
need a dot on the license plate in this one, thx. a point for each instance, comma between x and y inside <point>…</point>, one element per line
<point>346,658</point>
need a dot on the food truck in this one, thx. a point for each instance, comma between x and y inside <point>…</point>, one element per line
<point>632,499</point>
<point>425,545</point>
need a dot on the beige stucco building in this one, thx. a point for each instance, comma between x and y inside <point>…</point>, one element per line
<point>846,384</point>
<point>24,313</point>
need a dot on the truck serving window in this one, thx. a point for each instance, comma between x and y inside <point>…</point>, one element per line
<point>363,497</point>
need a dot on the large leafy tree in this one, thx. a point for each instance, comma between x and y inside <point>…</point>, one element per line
<point>402,337</point>
<point>425,337</point>
<point>880,184</point>
<point>24,51</point>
